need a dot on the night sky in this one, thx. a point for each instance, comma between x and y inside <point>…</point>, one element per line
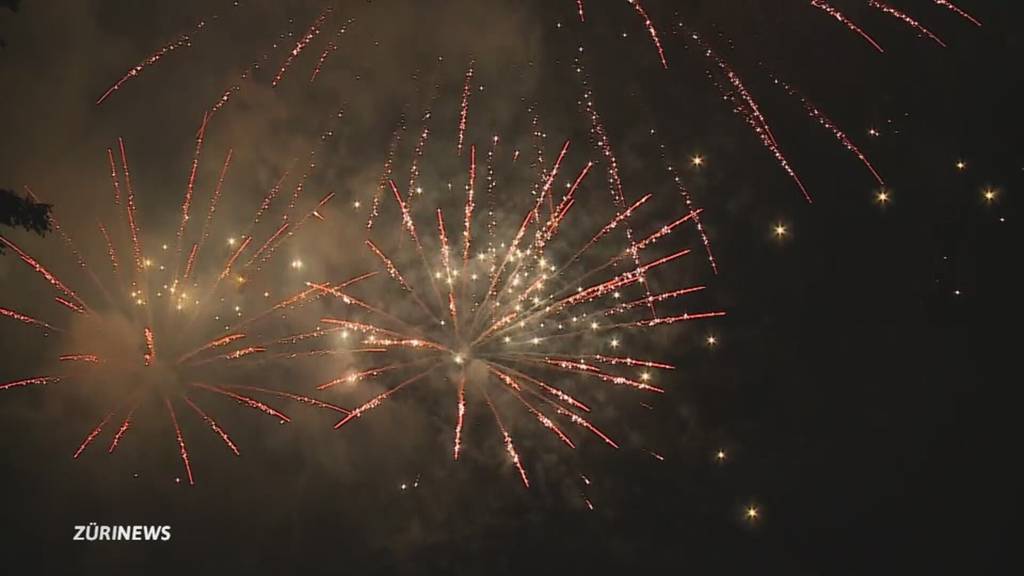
<point>851,414</point>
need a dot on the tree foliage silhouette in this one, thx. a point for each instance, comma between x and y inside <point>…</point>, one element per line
<point>20,211</point>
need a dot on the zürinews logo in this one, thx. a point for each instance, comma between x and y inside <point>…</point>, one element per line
<point>93,532</point>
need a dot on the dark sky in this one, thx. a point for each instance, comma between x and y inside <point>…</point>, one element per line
<point>859,386</point>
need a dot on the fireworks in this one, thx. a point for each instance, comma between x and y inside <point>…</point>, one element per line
<point>524,323</point>
<point>523,299</point>
<point>160,318</point>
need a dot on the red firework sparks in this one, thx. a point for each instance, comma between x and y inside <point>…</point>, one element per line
<point>506,325</point>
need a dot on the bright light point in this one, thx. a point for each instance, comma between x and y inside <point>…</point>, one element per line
<point>873,132</point>
<point>147,262</point>
<point>615,342</point>
<point>720,455</point>
<point>296,264</point>
<point>882,197</point>
<point>266,294</point>
<point>164,246</point>
<point>779,230</point>
<point>697,161</point>
<point>356,204</point>
<point>458,359</point>
<point>645,376</point>
<point>593,325</point>
<point>961,165</point>
<point>231,241</point>
<point>989,195</point>
<point>752,513</point>
<point>711,340</point>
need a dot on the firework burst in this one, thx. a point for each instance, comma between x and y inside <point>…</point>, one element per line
<point>510,304</point>
<point>160,331</point>
<point>515,316</point>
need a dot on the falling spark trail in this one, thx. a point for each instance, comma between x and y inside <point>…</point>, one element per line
<point>464,109</point>
<point>27,319</point>
<point>815,113</point>
<point>515,389</point>
<point>186,204</point>
<point>183,40</point>
<point>114,179</point>
<point>181,440</point>
<point>88,358</point>
<point>410,227</point>
<point>470,206</point>
<point>302,297</point>
<point>379,399</point>
<point>216,343</point>
<point>71,305</point>
<point>600,138</point>
<point>214,201</point>
<point>332,46</point>
<point>46,274</point>
<point>266,245</point>
<point>460,417</point>
<point>673,319</point>
<point>579,10</point>
<point>190,262</point>
<point>548,389</point>
<point>655,298</point>
<point>290,396</point>
<point>958,11</point>
<point>312,32</point>
<point>614,223</point>
<point>417,154</point>
<point>150,355</point>
<point>655,455</point>
<point>42,380</point>
<point>111,252</point>
<point>92,435</point>
<point>649,25</point>
<point>123,429</point>
<point>244,401</point>
<point>363,375</point>
<point>684,192</point>
<point>906,19</point>
<point>299,187</point>
<point>133,228</point>
<point>588,370</point>
<point>446,263</point>
<point>269,198</point>
<point>213,425</point>
<point>509,446</point>
<point>748,109</point>
<point>242,353</point>
<point>838,15</point>
<point>389,162</point>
